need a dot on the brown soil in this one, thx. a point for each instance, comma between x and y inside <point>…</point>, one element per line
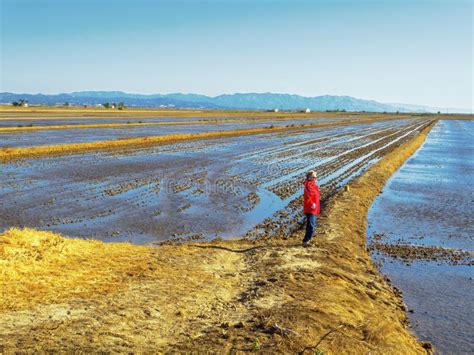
<point>225,296</point>
<point>408,252</point>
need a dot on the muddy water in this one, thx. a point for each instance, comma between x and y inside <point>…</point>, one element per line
<point>48,121</point>
<point>429,202</point>
<point>66,136</point>
<point>220,187</point>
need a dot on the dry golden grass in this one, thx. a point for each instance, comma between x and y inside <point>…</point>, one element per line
<point>48,112</point>
<point>43,267</point>
<point>52,112</point>
<point>68,295</point>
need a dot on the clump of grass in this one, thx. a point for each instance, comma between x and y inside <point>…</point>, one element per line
<point>256,345</point>
<point>43,267</point>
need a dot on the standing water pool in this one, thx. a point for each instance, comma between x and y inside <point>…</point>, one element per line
<point>421,233</point>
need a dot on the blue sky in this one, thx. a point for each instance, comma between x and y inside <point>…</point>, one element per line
<point>417,52</point>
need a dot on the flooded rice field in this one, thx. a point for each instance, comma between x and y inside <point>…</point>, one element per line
<point>245,186</point>
<point>58,121</point>
<point>421,230</point>
<point>29,138</point>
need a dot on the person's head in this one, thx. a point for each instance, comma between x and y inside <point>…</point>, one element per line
<point>311,175</point>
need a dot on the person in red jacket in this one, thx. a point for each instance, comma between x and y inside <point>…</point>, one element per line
<point>311,205</point>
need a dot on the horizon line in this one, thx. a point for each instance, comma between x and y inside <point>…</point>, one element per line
<point>471,109</point>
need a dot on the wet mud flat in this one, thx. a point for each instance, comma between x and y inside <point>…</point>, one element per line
<point>421,233</point>
<point>12,122</point>
<point>239,186</point>
<point>30,138</point>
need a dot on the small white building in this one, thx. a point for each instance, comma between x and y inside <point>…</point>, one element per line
<point>276,110</point>
<point>304,110</point>
<point>25,104</point>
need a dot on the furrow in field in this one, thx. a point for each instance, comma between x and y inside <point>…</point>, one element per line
<point>287,160</point>
<point>288,218</point>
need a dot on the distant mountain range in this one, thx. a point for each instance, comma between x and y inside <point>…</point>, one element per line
<point>244,101</point>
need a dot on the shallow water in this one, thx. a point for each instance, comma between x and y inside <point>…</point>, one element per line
<point>219,187</point>
<point>48,121</point>
<point>429,202</point>
<point>82,135</point>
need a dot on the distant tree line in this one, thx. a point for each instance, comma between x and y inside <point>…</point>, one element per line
<point>337,110</point>
<point>119,106</point>
<point>21,102</point>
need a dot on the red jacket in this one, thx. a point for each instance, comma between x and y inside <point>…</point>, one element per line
<point>311,197</point>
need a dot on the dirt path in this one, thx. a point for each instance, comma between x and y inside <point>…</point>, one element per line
<point>223,296</point>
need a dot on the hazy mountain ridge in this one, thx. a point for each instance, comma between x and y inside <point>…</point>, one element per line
<point>92,98</point>
<point>256,101</point>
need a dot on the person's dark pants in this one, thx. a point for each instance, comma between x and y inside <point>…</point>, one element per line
<point>310,226</point>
